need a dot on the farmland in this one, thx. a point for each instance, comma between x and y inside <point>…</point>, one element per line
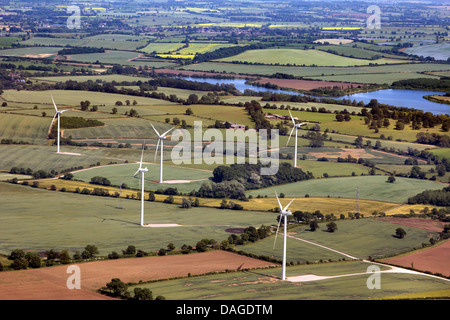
<point>300,57</point>
<point>365,177</point>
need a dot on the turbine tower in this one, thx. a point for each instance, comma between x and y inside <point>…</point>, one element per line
<point>161,138</point>
<point>284,212</point>
<point>57,113</point>
<point>296,127</point>
<point>141,171</point>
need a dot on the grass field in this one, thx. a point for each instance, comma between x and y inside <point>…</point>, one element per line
<point>370,188</point>
<point>359,238</point>
<point>71,221</point>
<point>363,74</point>
<point>124,173</point>
<point>45,157</point>
<point>264,284</point>
<point>24,128</point>
<point>74,97</point>
<point>300,57</point>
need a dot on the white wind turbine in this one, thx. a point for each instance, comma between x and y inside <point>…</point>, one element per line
<point>284,212</point>
<point>57,113</point>
<point>161,139</point>
<point>141,171</point>
<point>296,127</point>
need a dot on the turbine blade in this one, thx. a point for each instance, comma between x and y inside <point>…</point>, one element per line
<point>279,203</point>
<point>276,234</point>
<point>290,135</point>
<point>134,175</point>
<point>288,204</point>
<point>166,132</point>
<point>142,154</point>
<point>156,151</point>
<point>292,118</point>
<point>54,104</point>
<point>155,130</point>
<point>51,124</point>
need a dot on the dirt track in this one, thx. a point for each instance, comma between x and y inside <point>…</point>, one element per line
<point>49,283</point>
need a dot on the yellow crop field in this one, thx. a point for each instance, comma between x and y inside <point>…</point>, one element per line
<point>336,206</point>
<point>177,56</point>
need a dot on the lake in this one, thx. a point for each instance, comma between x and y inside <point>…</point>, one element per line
<point>403,98</point>
<point>396,97</point>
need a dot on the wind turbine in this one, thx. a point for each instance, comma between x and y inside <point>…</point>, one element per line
<point>284,212</point>
<point>57,113</point>
<point>141,171</point>
<point>296,127</point>
<point>161,137</point>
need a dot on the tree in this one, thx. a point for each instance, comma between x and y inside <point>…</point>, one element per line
<point>117,287</point>
<point>151,196</point>
<point>34,259</point>
<point>185,203</point>
<point>16,254</point>
<point>114,110</point>
<point>129,250</point>
<point>92,249</point>
<point>400,233</point>
<point>64,257</point>
<point>340,117</point>
<point>399,125</point>
<point>391,179</point>
<point>331,227</point>
<point>142,294</point>
<point>189,111</point>
<point>313,225</point>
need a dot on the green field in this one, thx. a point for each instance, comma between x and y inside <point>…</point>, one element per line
<point>299,58</point>
<point>365,74</point>
<point>57,220</point>
<point>74,97</point>
<point>24,128</point>
<point>263,284</point>
<point>124,174</point>
<point>370,187</point>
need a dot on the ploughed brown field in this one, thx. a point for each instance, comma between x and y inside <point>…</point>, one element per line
<point>426,224</point>
<point>49,283</point>
<point>435,260</point>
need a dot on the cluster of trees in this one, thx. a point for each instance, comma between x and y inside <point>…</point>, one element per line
<point>79,122</point>
<point>39,174</point>
<point>10,141</point>
<point>379,113</point>
<point>249,175</point>
<point>249,234</point>
<point>119,289</point>
<point>440,140</point>
<point>100,181</point>
<point>433,197</point>
<point>230,205</point>
<point>228,52</point>
<point>423,84</point>
<point>31,259</point>
<point>256,113</point>
<point>80,50</point>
